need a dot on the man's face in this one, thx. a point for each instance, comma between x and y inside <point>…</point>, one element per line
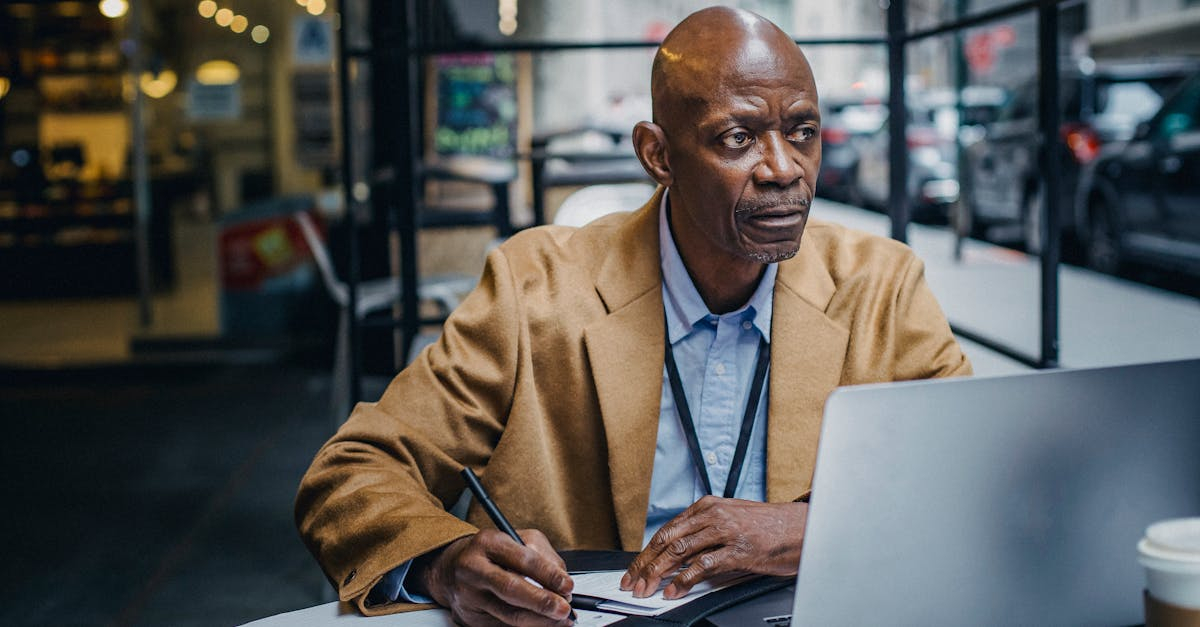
<point>744,148</point>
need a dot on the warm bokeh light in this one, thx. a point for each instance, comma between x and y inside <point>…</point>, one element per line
<point>207,8</point>
<point>302,2</point>
<point>69,9</point>
<point>260,34</point>
<point>113,8</point>
<point>508,17</point>
<point>218,72</point>
<point>158,86</point>
<point>239,24</point>
<point>316,7</point>
<point>4,85</point>
<point>224,17</point>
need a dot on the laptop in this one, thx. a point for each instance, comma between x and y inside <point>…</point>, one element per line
<point>1013,500</point>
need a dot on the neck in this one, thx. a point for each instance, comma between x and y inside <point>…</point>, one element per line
<point>727,293</point>
<point>725,282</point>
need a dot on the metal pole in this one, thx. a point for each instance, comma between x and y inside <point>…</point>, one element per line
<point>141,178</point>
<point>1048,160</point>
<point>353,269</point>
<point>961,211</point>
<point>407,194</point>
<point>897,122</point>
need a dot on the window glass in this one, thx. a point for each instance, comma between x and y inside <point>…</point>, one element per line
<point>1120,107</point>
<point>1182,113</point>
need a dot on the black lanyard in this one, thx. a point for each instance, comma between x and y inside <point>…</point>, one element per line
<point>689,428</point>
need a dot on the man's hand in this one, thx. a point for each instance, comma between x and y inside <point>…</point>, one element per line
<point>716,536</point>
<point>481,579</point>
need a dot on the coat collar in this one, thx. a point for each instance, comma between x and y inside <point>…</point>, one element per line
<point>626,353</point>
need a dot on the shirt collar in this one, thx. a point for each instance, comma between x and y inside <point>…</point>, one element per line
<point>683,303</point>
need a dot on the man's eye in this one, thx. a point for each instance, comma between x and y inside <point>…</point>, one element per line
<point>802,134</point>
<point>738,139</point>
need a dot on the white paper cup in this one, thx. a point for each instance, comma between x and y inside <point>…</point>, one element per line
<point>1170,552</point>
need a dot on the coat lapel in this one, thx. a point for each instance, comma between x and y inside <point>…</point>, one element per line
<point>807,352</point>
<point>626,354</point>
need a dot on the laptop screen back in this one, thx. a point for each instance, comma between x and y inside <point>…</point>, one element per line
<point>1009,500</point>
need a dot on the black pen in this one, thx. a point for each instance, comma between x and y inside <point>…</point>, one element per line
<point>493,511</point>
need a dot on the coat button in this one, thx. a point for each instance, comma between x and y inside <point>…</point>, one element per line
<point>349,578</point>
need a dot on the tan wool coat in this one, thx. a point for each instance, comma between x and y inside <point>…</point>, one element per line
<point>547,382</point>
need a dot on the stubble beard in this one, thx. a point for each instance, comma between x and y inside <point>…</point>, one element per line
<point>776,257</point>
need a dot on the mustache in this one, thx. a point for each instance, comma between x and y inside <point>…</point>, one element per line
<point>762,204</point>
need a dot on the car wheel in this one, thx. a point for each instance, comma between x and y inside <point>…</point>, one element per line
<point>1103,250</point>
<point>1031,221</point>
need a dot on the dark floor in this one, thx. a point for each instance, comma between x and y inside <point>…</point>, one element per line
<point>157,496</point>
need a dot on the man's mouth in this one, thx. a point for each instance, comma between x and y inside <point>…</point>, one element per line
<point>776,219</point>
<point>783,213</point>
<point>773,207</point>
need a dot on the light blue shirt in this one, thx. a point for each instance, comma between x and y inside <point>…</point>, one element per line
<point>716,356</point>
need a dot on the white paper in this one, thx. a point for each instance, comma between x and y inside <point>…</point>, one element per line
<point>606,584</point>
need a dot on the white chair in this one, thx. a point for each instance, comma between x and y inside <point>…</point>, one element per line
<point>588,203</point>
<point>373,295</point>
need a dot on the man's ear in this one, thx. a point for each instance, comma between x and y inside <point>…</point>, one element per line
<point>650,143</point>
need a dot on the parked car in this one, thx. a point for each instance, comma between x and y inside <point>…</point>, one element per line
<point>843,129</point>
<point>1101,103</point>
<point>1140,200</point>
<point>932,131</point>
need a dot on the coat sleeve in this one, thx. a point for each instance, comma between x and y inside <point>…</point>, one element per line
<point>377,492</point>
<point>925,347</point>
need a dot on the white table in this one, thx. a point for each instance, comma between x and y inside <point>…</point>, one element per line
<point>338,614</point>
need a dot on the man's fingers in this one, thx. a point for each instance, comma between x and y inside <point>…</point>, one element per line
<point>706,566</point>
<point>537,541</point>
<point>674,554</point>
<point>660,543</point>
<point>504,590</point>
<point>502,582</point>
<point>530,561</point>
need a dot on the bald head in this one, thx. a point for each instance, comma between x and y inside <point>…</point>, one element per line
<point>709,49</point>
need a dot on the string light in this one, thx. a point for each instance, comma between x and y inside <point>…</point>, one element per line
<point>218,72</point>
<point>240,23</point>
<point>508,17</point>
<point>113,8</point>
<point>158,85</point>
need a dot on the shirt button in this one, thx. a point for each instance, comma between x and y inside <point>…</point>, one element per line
<point>747,324</point>
<point>712,458</point>
<point>720,369</point>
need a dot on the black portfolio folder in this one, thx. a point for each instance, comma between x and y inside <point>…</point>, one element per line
<point>694,612</point>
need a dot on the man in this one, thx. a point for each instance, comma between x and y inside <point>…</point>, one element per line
<point>571,374</point>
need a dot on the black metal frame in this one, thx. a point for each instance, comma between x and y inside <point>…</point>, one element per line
<point>1049,119</point>
<point>391,22</point>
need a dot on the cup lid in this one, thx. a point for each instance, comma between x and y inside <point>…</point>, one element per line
<point>1178,536</point>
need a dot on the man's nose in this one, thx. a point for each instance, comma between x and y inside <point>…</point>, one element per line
<point>780,163</point>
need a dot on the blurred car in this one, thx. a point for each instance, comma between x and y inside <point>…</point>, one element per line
<point>843,129</point>
<point>1140,200</point>
<point>1100,103</point>
<point>932,132</point>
